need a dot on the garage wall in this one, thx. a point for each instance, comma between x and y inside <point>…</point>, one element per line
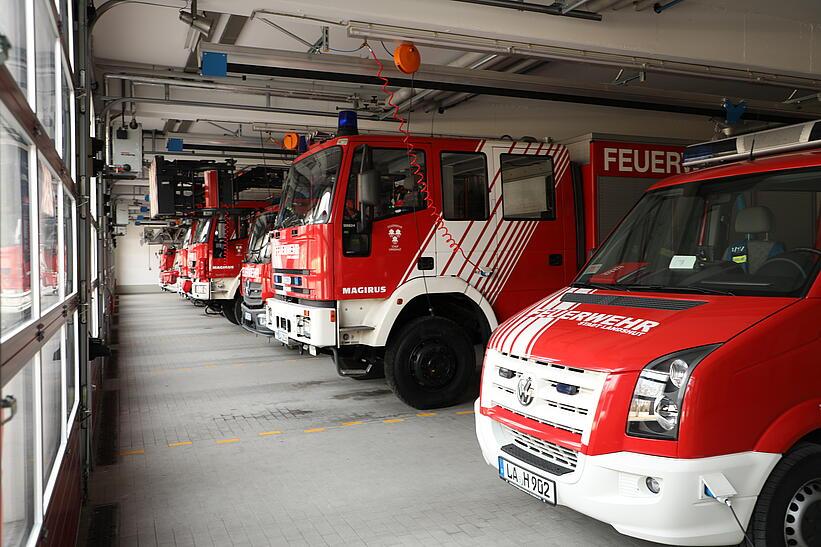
<point>137,266</point>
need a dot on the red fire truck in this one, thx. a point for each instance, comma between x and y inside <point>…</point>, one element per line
<point>184,277</point>
<point>256,284</point>
<point>168,267</point>
<point>390,272</point>
<point>673,389</point>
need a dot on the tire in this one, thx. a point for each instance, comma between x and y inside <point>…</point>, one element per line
<point>430,363</point>
<point>788,510</point>
<point>233,310</point>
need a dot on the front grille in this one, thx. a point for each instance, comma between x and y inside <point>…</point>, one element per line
<point>252,294</point>
<point>551,452</point>
<point>563,397</point>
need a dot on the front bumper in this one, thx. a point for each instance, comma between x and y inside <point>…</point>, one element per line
<point>253,320</point>
<point>209,290</point>
<point>612,488</point>
<point>311,325</point>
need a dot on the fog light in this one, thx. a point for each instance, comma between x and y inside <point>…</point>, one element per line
<point>653,485</point>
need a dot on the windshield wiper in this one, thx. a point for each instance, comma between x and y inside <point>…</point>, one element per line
<point>665,288</point>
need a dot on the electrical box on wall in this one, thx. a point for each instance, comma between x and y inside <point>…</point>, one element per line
<point>127,149</point>
<point>121,214</point>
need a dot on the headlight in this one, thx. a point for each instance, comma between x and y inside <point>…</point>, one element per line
<point>655,408</point>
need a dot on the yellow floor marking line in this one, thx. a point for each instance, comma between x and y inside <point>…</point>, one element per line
<point>315,430</point>
<point>138,452</point>
<point>180,443</point>
<point>352,423</point>
<point>426,414</point>
<point>269,433</point>
<point>210,366</point>
<point>463,412</point>
<point>227,441</point>
<point>393,421</point>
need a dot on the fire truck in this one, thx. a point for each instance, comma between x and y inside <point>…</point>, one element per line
<point>402,260</point>
<point>673,389</point>
<point>168,267</point>
<point>184,277</point>
<point>256,284</point>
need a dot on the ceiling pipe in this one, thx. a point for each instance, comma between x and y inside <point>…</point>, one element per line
<point>553,9</point>
<point>570,6</point>
<point>116,101</point>
<point>658,7</point>
<point>250,90</point>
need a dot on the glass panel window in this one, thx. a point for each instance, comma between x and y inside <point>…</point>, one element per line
<point>68,241</point>
<point>51,370</point>
<point>528,188</point>
<point>66,98</point>
<point>45,42</point>
<point>399,188</point>
<point>13,27</point>
<point>15,231</point>
<point>18,464</point>
<point>464,186</point>
<point>71,363</point>
<point>49,225</point>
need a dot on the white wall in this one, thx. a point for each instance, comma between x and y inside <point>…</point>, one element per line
<point>136,264</point>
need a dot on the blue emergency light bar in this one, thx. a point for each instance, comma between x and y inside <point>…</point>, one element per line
<point>753,145</point>
<point>347,123</point>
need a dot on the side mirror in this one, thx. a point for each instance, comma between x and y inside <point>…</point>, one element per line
<point>367,184</point>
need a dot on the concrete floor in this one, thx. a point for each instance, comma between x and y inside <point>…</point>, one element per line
<point>226,439</point>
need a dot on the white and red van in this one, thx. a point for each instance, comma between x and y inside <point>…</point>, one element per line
<point>673,390</point>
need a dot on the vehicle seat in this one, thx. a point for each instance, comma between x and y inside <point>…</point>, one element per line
<point>756,248</point>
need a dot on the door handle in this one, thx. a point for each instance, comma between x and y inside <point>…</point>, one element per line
<point>8,402</point>
<point>555,259</point>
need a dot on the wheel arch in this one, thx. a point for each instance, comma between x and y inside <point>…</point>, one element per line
<point>449,297</point>
<point>801,422</point>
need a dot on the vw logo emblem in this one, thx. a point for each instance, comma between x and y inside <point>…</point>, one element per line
<point>525,391</point>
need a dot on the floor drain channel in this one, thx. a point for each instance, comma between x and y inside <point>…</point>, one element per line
<point>107,442</point>
<point>103,527</point>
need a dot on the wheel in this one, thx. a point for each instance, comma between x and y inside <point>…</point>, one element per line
<point>430,363</point>
<point>233,310</point>
<point>788,511</point>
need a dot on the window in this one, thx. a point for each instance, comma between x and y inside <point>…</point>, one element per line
<point>68,242</point>
<point>464,186</point>
<point>45,53</point>
<point>399,189</point>
<point>51,370</point>
<point>49,245</point>
<point>13,27</point>
<point>18,462</point>
<point>15,229</point>
<point>66,100</point>
<point>71,363</point>
<point>528,189</point>
<point>307,191</point>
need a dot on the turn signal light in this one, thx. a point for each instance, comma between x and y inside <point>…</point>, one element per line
<point>333,316</point>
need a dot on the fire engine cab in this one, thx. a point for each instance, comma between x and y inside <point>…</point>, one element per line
<point>402,261</point>
<point>673,390</point>
<point>256,281</point>
<point>168,266</point>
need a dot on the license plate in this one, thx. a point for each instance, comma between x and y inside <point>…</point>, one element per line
<point>535,485</point>
<point>247,316</point>
<point>281,335</point>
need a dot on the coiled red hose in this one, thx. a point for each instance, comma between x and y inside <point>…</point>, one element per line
<point>418,172</point>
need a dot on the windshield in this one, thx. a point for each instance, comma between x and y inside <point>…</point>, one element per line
<point>756,235</point>
<point>307,191</point>
<point>186,236</point>
<point>203,231</point>
<point>260,233</point>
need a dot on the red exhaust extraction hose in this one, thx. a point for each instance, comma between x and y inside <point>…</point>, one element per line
<point>417,168</point>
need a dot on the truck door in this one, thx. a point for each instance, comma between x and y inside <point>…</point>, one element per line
<point>380,242</point>
<point>530,258</point>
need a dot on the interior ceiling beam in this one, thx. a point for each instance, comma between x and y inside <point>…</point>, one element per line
<point>286,64</point>
<point>564,10</point>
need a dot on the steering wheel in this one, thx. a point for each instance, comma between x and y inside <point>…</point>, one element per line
<point>787,260</point>
<point>807,250</point>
